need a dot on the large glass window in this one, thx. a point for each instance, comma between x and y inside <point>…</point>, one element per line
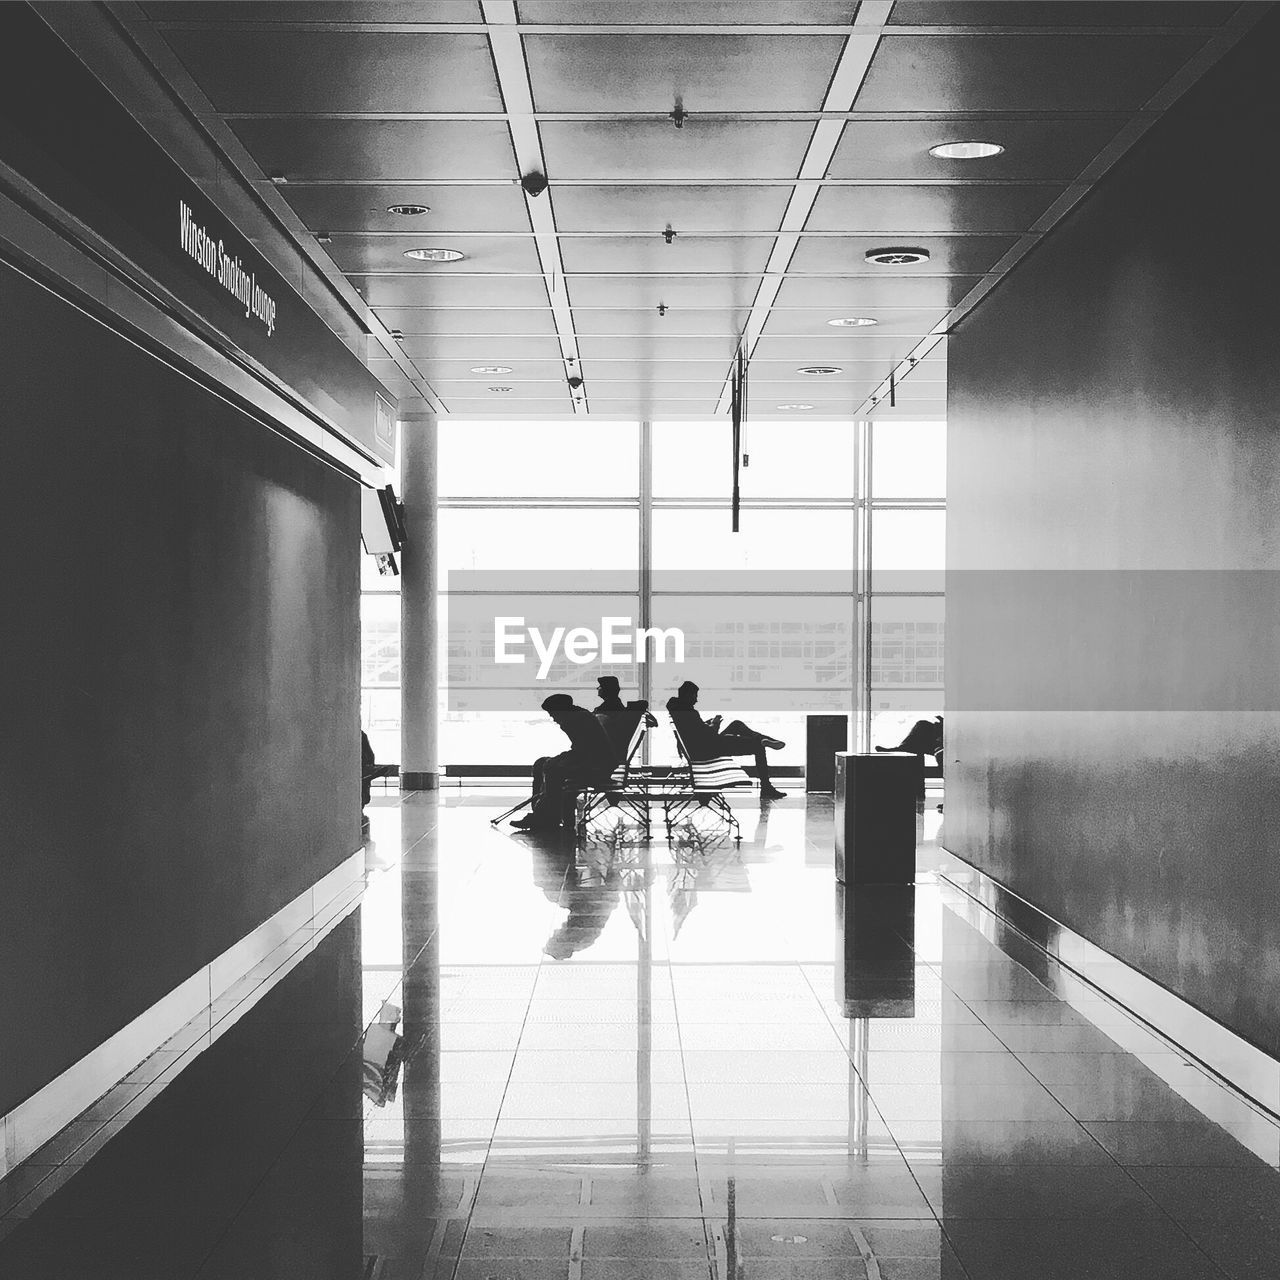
<point>633,519</point>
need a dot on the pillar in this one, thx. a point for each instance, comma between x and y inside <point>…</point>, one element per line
<point>418,700</point>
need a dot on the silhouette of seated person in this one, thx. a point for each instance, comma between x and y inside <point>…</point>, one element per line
<point>618,718</point>
<point>590,760</point>
<point>705,740</point>
<point>924,738</point>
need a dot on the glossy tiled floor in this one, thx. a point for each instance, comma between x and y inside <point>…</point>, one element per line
<point>662,1064</point>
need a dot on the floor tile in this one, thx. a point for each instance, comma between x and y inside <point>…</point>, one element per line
<point>1098,1193</point>
<point>1156,1142</point>
<point>1146,1249</point>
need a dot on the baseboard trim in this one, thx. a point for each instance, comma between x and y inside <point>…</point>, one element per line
<point>202,1005</point>
<point>1249,1070</point>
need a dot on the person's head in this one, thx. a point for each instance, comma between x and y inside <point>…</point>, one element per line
<point>557,705</point>
<point>688,692</point>
<point>607,686</point>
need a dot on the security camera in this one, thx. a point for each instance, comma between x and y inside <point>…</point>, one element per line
<point>575,383</point>
<point>534,183</point>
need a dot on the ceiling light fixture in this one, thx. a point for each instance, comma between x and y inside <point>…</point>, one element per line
<point>965,150</point>
<point>896,256</point>
<point>820,370</point>
<point>490,368</point>
<point>795,406</point>
<point>851,322</point>
<point>435,255</point>
<point>409,210</point>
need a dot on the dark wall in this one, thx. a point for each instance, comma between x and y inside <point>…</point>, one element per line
<point>1113,737</point>
<point>180,647</point>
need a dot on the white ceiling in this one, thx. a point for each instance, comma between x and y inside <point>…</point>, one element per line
<point>805,145</point>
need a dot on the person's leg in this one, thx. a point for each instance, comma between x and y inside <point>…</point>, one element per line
<point>549,775</point>
<point>737,728</point>
<point>739,744</point>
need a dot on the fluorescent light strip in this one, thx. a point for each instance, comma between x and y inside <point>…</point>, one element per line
<point>517,96</point>
<point>851,70</point>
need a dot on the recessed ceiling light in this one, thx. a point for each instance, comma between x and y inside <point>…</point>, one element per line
<point>409,210</point>
<point>851,322</point>
<point>794,406</point>
<point>965,150</point>
<point>820,370</point>
<point>435,255</point>
<point>499,388</point>
<point>490,368</point>
<point>896,256</point>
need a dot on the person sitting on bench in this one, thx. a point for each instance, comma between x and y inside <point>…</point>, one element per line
<point>705,740</point>
<point>591,758</point>
<point>924,738</point>
<point>619,719</point>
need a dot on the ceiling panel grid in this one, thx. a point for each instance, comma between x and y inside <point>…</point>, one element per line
<point>696,177</point>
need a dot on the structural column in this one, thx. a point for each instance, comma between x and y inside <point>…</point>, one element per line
<point>418,699</point>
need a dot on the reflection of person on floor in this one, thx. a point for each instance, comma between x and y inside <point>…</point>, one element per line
<point>705,740</point>
<point>924,738</point>
<point>556,779</point>
<point>591,894</point>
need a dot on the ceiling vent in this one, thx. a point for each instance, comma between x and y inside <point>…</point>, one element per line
<point>896,256</point>
<point>435,255</point>
<point>409,210</point>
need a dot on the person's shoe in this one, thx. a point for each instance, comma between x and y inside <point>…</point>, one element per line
<point>772,793</point>
<point>774,744</point>
<point>529,820</point>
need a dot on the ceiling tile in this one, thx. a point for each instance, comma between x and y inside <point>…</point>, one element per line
<point>920,210</point>
<point>473,389</point>
<point>831,351</point>
<point>657,371</point>
<point>677,321</point>
<point>385,150</point>
<point>731,292</point>
<point>505,255</point>
<point>704,73</point>
<point>1060,13</point>
<point>641,406</point>
<point>452,209</point>
<point>648,150</point>
<point>1034,149</point>
<point>725,255</point>
<point>814,323</point>
<point>468,321</point>
<point>246,14</point>
<point>687,209</point>
<point>468,349</point>
<point>854,296</point>
<point>451,291</point>
<point>826,13</point>
<point>1020,73</point>
<point>542,376</point>
<point>655,348</point>
<point>272,70</point>
<point>964,255</point>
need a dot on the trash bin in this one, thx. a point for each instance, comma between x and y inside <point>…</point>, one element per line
<point>875,804</point>
<point>824,736</point>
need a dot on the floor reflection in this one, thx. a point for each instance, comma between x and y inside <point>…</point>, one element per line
<point>523,1057</point>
